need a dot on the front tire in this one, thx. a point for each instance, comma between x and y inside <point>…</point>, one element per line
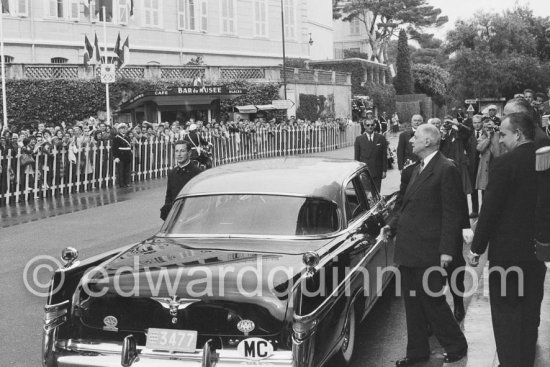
<point>345,354</point>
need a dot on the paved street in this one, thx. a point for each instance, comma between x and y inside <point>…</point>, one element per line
<point>97,221</point>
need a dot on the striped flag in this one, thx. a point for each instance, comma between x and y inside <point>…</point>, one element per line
<point>97,50</point>
<point>125,53</point>
<point>88,52</point>
<point>118,51</point>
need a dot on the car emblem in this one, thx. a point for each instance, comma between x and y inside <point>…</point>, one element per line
<point>246,326</point>
<point>174,305</point>
<point>110,323</point>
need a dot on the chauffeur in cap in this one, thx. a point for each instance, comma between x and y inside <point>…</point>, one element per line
<point>179,175</point>
<point>122,151</point>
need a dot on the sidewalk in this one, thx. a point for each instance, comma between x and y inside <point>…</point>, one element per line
<point>478,327</point>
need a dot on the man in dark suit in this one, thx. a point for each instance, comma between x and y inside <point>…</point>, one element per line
<point>404,146</point>
<point>429,236</point>
<point>178,176</point>
<point>372,148</point>
<point>508,221</point>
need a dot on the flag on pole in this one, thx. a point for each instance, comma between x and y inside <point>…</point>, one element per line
<point>88,52</point>
<point>118,50</point>
<point>97,50</point>
<point>125,54</point>
<point>6,6</point>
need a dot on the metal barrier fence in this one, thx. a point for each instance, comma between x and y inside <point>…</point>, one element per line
<point>25,176</point>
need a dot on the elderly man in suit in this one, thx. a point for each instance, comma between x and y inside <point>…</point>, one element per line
<point>372,148</point>
<point>429,236</point>
<point>404,146</point>
<point>508,221</point>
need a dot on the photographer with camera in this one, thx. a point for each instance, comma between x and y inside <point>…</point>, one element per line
<point>457,144</point>
<point>489,148</point>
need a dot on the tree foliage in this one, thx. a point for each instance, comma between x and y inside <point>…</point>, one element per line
<point>498,55</point>
<point>382,19</point>
<point>431,80</point>
<point>403,82</point>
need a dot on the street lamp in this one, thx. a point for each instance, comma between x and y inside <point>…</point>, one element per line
<point>284,55</point>
<point>310,40</point>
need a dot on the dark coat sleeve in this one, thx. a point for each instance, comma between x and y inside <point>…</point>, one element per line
<point>357,148</point>
<point>401,151</point>
<point>384,154</point>
<point>452,213</point>
<point>493,203</point>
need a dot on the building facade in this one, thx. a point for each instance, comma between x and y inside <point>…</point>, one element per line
<point>169,32</point>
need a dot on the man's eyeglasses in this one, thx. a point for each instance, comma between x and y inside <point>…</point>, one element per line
<point>369,124</point>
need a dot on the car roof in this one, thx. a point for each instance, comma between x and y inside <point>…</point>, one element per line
<point>300,176</point>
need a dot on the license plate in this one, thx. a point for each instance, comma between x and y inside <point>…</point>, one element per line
<point>172,340</point>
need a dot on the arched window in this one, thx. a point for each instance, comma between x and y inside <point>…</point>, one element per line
<point>59,60</point>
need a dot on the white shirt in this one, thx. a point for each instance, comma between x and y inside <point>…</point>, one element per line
<point>428,159</point>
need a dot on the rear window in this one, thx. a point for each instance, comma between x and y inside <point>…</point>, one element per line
<point>240,214</point>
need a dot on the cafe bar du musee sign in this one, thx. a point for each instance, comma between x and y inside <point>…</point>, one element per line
<point>210,90</point>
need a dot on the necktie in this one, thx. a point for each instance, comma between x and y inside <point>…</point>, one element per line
<point>421,167</point>
<point>477,134</point>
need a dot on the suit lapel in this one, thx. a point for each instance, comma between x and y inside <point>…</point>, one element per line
<point>423,176</point>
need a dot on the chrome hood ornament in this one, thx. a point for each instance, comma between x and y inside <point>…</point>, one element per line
<point>175,304</point>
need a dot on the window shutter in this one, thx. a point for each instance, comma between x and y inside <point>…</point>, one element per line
<point>74,10</point>
<point>204,15</point>
<point>123,11</point>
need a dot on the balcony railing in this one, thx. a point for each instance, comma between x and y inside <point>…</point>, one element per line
<point>175,72</point>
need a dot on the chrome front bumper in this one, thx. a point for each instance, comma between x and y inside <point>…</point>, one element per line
<point>88,353</point>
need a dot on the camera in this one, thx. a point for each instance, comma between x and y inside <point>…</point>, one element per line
<point>493,129</point>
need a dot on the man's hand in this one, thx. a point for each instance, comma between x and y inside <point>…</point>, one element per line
<point>445,260</point>
<point>383,174</point>
<point>117,160</point>
<point>473,259</point>
<point>385,233</point>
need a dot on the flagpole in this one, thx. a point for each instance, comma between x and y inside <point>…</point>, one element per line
<point>4,104</point>
<point>105,52</point>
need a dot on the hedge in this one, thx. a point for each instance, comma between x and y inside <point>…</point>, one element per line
<point>54,101</point>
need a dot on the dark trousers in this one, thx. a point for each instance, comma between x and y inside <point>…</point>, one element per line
<point>516,316</point>
<point>457,287</point>
<point>123,172</point>
<point>423,309</point>
<point>475,201</point>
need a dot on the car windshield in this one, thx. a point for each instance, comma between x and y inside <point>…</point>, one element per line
<point>240,214</point>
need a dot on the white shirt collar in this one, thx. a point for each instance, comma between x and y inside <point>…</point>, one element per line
<point>429,158</point>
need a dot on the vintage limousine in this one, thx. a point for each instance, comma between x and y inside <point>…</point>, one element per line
<point>271,262</point>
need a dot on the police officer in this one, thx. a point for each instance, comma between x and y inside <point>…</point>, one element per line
<point>122,151</point>
<point>179,175</point>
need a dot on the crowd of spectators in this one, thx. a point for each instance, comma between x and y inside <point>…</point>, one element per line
<point>32,149</point>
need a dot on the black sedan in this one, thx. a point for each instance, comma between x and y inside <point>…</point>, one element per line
<point>271,262</point>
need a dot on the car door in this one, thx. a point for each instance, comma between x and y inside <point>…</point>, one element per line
<point>346,257</point>
<point>372,223</point>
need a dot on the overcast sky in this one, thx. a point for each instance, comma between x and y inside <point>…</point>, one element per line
<point>464,9</point>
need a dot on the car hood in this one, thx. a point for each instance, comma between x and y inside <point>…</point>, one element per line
<point>222,281</point>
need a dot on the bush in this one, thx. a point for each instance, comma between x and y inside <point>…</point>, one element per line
<point>383,96</point>
<point>53,101</point>
<point>432,81</point>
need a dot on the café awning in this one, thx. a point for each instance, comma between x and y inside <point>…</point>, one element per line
<point>247,109</point>
<point>266,107</point>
